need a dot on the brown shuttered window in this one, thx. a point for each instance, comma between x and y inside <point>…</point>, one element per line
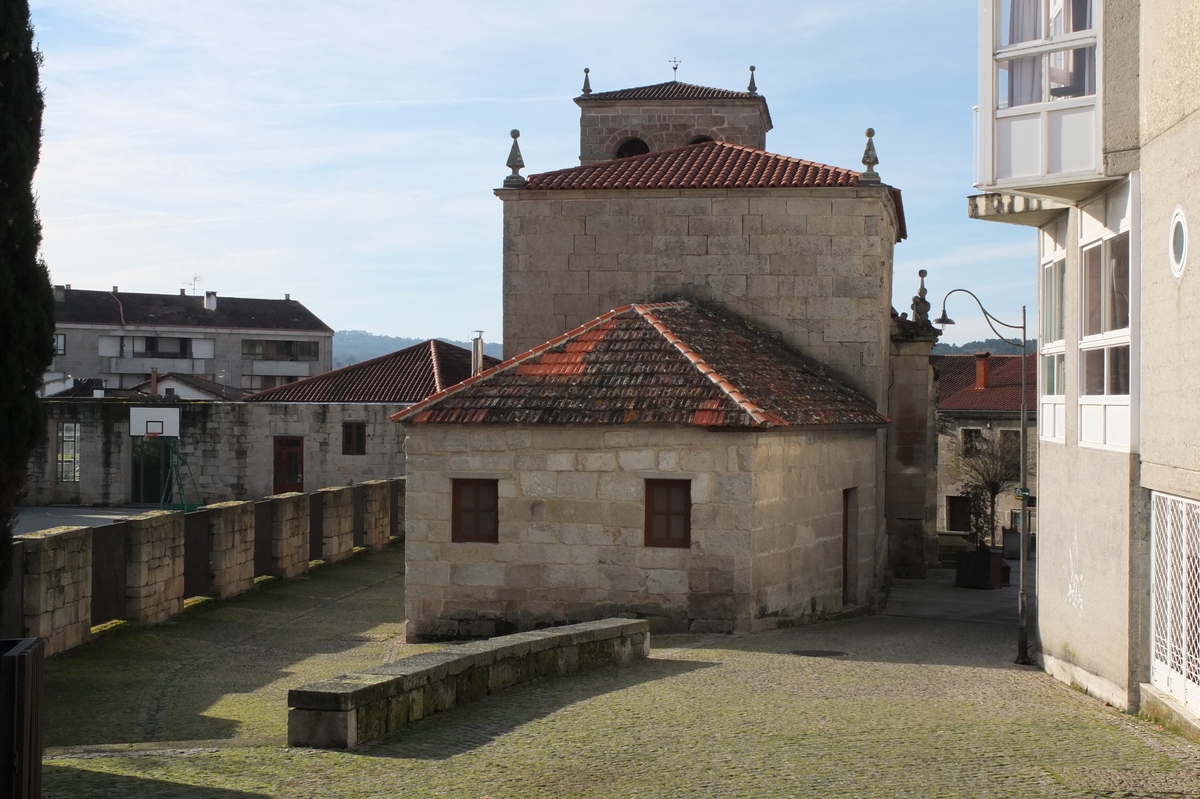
<point>354,438</point>
<point>475,515</point>
<point>668,513</point>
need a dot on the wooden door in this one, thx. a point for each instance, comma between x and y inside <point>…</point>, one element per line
<point>289,464</point>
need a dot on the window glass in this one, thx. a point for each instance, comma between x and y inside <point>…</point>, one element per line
<point>1118,370</point>
<point>60,344</point>
<point>970,440</point>
<point>475,511</point>
<point>1092,295</point>
<point>1020,21</point>
<point>1054,374</point>
<point>1072,73</point>
<point>354,438</point>
<point>68,452</point>
<point>1117,284</point>
<point>1093,372</point>
<point>1053,277</point>
<point>668,513</point>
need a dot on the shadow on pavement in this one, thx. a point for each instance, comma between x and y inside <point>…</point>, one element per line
<point>221,669</point>
<point>72,781</point>
<point>472,726</point>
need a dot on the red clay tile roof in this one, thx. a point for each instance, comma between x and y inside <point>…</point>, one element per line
<point>708,165</point>
<point>407,375</point>
<point>82,306</point>
<point>669,363</point>
<point>956,383</point>
<point>218,390</point>
<point>671,90</point>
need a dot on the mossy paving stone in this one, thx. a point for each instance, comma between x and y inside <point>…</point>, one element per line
<point>916,708</point>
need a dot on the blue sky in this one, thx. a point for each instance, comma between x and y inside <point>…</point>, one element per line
<point>345,153</point>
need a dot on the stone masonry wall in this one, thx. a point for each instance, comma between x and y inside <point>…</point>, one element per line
<point>289,534</point>
<point>154,572</point>
<point>572,525</point>
<point>603,127</point>
<point>337,514</point>
<point>799,480</point>
<point>232,542</point>
<point>377,513</point>
<point>58,586</point>
<point>814,265</point>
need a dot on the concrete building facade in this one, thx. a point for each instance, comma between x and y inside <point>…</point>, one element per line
<point>1091,119</point>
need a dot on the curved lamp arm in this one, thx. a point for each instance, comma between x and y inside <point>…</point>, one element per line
<point>946,320</point>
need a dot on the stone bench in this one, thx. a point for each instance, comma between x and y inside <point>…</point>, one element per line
<point>355,708</point>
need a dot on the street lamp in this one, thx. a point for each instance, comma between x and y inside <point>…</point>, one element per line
<point>1022,606</point>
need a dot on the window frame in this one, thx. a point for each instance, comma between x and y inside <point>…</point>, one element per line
<point>67,466</point>
<point>657,534</point>
<point>464,502</point>
<point>969,444</point>
<point>354,438</point>
<point>60,344</point>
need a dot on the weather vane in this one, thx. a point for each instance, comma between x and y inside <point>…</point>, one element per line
<point>675,62</point>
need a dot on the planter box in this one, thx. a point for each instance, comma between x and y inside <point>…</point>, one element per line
<point>980,569</point>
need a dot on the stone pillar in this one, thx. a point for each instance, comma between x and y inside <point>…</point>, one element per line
<point>338,523</point>
<point>289,535</point>
<point>231,557</point>
<point>58,586</point>
<point>377,513</point>
<point>154,573</point>
<point>398,526</point>
<point>910,497</point>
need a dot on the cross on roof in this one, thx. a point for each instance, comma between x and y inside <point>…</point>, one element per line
<point>675,62</point>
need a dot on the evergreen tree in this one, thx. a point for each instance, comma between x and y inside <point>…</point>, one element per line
<point>26,298</point>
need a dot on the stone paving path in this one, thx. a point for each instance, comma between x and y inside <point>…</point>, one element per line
<point>917,706</point>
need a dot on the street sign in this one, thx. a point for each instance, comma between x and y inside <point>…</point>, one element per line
<point>1022,493</point>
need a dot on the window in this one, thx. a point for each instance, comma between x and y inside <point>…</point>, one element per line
<point>1053,276</point>
<point>631,147</point>
<point>162,347</point>
<point>474,514</point>
<point>270,350</point>
<point>1178,243</point>
<point>354,438</point>
<point>958,514</point>
<point>700,140</point>
<point>668,513</point>
<point>1105,318</point>
<point>971,437</point>
<point>60,344</point>
<point>68,452</point>
<point>1053,258</point>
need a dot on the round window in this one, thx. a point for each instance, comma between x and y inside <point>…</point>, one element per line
<point>1178,243</point>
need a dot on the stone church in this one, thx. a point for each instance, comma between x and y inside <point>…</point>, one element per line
<point>709,416</point>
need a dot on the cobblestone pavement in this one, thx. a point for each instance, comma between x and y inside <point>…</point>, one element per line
<point>917,706</point>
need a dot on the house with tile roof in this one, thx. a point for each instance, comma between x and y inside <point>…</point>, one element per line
<point>737,426</point>
<point>122,337</point>
<point>978,397</point>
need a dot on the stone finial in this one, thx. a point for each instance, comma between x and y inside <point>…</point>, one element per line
<point>920,305</point>
<point>515,162</point>
<point>587,83</point>
<point>752,88</point>
<point>870,159</point>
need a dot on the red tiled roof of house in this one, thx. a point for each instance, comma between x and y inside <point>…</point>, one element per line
<point>669,363</point>
<point>671,90</point>
<point>407,375</point>
<point>708,165</point>
<point>956,383</point>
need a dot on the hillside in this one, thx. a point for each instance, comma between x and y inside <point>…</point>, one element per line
<point>353,346</point>
<point>993,345</point>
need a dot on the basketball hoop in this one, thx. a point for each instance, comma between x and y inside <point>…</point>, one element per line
<point>152,435</point>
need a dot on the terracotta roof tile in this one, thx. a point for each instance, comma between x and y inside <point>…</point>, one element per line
<point>707,165</point>
<point>671,90</point>
<point>404,376</point>
<point>956,383</point>
<point>660,363</point>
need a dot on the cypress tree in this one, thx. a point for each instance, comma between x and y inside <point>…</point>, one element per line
<point>26,298</point>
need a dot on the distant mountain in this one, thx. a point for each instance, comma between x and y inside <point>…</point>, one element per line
<point>993,345</point>
<point>353,346</point>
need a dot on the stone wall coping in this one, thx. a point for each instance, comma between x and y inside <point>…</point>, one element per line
<point>349,691</point>
<point>231,504</point>
<point>332,489</point>
<point>49,533</point>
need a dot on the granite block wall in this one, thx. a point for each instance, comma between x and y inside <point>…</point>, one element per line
<point>58,586</point>
<point>232,554</point>
<point>154,572</point>
<point>377,514</point>
<point>289,534</point>
<point>337,523</point>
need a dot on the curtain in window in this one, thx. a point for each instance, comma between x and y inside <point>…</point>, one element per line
<point>1025,74</point>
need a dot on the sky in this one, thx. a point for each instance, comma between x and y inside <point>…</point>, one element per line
<point>345,152</point>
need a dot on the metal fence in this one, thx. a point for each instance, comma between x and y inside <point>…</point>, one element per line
<point>264,524</point>
<point>197,548</point>
<point>22,665</point>
<point>110,554</point>
<point>316,526</point>
<point>1175,591</point>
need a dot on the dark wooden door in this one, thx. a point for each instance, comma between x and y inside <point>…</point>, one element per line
<point>289,464</point>
<point>958,514</point>
<point>151,471</point>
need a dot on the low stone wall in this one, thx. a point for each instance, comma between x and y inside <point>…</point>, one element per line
<point>289,535</point>
<point>355,708</point>
<point>232,559</point>
<point>58,586</point>
<point>154,571</point>
<point>377,513</point>
<point>337,523</point>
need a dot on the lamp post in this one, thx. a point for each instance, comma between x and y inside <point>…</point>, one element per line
<point>1022,606</point>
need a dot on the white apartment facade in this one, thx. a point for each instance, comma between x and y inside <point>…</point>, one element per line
<point>1087,132</point>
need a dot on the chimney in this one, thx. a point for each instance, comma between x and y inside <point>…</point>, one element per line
<point>210,300</point>
<point>477,353</point>
<point>981,369</point>
<point>183,292</point>
<point>60,293</point>
<point>114,291</point>
<point>287,296</point>
<point>154,382</point>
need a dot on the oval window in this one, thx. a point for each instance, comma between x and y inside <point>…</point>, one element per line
<point>1178,243</point>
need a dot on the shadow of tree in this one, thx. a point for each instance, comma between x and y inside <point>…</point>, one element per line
<point>74,781</point>
<point>477,724</point>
